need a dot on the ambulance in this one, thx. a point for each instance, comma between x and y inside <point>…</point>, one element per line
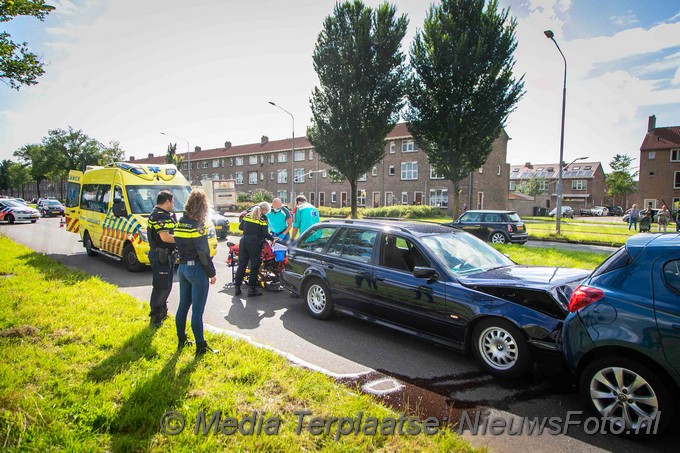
<point>109,208</point>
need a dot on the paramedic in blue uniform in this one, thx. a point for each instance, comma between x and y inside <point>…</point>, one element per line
<point>161,246</point>
<point>196,270</point>
<point>255,231</point>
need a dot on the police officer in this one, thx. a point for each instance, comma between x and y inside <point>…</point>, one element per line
<point>255,231</point>
<point>160,228</point>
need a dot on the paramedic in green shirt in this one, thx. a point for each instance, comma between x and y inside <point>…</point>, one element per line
<point>306,215</point>
<point>280,221</point>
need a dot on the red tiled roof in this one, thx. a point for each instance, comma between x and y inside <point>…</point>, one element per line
<point>661,138</point>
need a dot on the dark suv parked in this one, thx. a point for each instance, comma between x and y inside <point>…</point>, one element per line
<point>622,338</point>
<point>498,227</point>
<point>435,282</point>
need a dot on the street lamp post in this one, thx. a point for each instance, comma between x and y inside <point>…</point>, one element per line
<point>292,154</point>
<point>558,215</point>
<point>188,153</point>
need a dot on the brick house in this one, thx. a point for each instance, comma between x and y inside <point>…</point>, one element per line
<point>660,166</point>
<point>583,186</point>
<point>403,177</point>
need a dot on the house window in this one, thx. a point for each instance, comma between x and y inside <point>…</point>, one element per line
<point>439,198</point>
<point>322,199</point>
<point>481,169</point>
<point>551,169</point>
<point>393,147</point>
<point>184,166</point>
<point>205,164</point>
<point>409,171</point>
<point>299,155</point>
<point>361,197</point>
<point>513,186</point>
<point>389,199</point>
<point>261,176</point>
<point>282,176</point>
<point>516,170</point>
<point>283,195</point>
<point>587,167</point>
<point>311,154</point>
<point>299,175</point>
<point>216,176</point>
<point>252,177</point>
<point>391,170</point>
<point>576,167</point>
<point>239,177</point>
<point>434,174</point>
<point>409,146</point>
<point>334,197</point>
<point>498,172</point>
<point>362,177</point>
<point>579,184</point>
<point>204,177</point>
<point>404,198</point>
<point>675,155</point>
<point>651,173</point>
<point>543,185</point>
<point>215,163</point>
<point>676,183</point>
<point>271,158</point>
<point>252,160</point>
<point>271,175</point>
<point>238,161</point>
<point>324,174</point>
<point>374,171</point>
<point>283,157</point>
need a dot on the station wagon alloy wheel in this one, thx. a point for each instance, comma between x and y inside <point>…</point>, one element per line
<point>501,349</point>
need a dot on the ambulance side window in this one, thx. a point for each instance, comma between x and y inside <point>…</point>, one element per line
<point>88,197</point>
<point>103,197</point>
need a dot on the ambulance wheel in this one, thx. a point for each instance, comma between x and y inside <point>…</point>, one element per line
<point>130,259</point>
<point>87,242</point>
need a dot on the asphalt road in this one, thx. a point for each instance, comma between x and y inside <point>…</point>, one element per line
<point>397,368</point>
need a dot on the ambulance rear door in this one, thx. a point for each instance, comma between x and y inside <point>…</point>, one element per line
<point>72,208</point>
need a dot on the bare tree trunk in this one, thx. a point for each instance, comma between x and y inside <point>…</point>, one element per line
<point>37,185</point>
<point>353,198</point>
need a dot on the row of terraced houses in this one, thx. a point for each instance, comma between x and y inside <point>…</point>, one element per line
<point>405,177</point>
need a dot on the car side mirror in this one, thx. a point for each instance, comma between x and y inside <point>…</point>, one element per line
<point>425,272</point>
<point>119,209</point>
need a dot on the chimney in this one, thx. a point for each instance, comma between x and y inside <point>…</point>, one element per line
<point>150,156</point>
<point>197,149</point>
<point>264,140</point>
<point>132,158</point>
<point>529,166</point>
<point>227,145</point>
<point>651,124</point>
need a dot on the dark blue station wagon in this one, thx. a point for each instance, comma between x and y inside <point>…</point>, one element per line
<point>437,283</point>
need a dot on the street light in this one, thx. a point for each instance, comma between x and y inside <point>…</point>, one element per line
<point>292,154</point>
<point>558,215</point>
<point>188,153</point>
<point>309,173</point>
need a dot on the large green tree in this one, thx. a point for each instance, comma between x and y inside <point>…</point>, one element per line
<point>40,162</point>
<point>111,153</point>
<point>463,87</point>
<point>532,186</point>
<point>19,177</point>
<point>18,65</point>
<point>621,181</point>
<point>171,156</point>
<point>4,174</point>
<point>362,81</point>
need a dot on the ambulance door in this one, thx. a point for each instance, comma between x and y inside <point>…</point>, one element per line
<point>118,223</point>
<point>72,208</point>
<point>108,237</point>
<point>98,216</point>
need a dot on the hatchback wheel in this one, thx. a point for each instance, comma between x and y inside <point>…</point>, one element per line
<point>498,238</point>
<point>501,348</point>
<point>318,299</point>
<point>630,394</point>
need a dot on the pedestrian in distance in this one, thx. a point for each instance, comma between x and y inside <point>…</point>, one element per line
<point>633,216</point>
<point>159,231</point>
<point>255,231</point>
<point>196,270</point>
<point>306,215</point>
<point>663,217</point>
<point>280,221</point>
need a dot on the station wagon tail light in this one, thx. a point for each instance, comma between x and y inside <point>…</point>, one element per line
<point>584,296</point>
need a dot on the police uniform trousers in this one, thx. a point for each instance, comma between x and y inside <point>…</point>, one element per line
<point>249,256</point>
<point>162,284</point>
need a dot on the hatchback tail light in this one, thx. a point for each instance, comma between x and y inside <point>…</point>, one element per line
<point>584,296</point>
<point>510,228</point>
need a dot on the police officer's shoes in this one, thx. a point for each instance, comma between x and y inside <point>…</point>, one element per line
<point>202,348</point>
<point>254,292</point>
<point>181,344</point>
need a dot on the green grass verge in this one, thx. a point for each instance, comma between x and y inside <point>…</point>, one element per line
<point>81,371</point>
<point>536,256</point>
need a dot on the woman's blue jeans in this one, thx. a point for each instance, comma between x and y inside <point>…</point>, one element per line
<point>632,222</point>
<point>193,293</point>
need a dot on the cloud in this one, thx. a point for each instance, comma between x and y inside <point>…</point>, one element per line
<point>624,20</point>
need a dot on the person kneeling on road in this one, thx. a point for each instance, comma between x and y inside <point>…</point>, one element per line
<point>195,270</point>
<point>255,231</point>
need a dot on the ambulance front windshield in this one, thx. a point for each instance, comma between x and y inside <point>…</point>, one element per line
<point>143,198</point>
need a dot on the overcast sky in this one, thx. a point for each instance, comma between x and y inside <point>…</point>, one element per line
<point>205,70</point>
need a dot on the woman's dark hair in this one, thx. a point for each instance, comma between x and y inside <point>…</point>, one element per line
<point>197,205</point>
